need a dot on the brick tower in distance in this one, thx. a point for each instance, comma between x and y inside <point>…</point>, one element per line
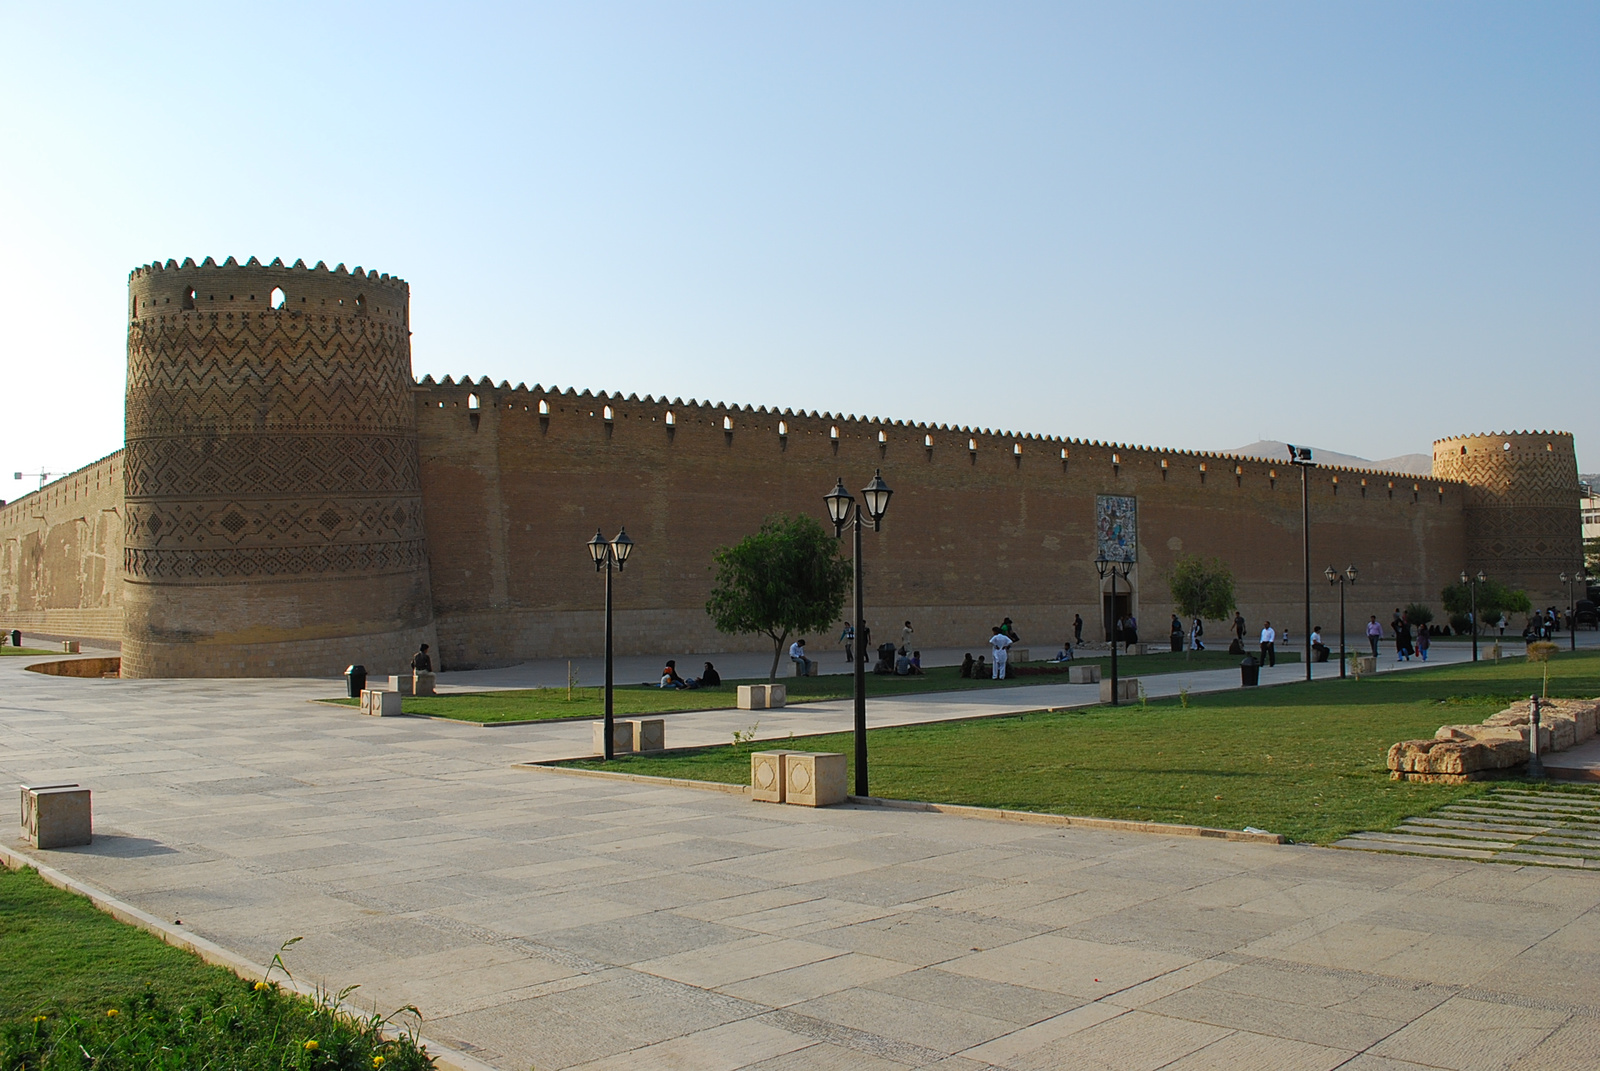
<point>1523,524</point>
<point>273,521</point>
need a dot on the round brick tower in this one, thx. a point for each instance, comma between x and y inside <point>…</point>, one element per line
<point>1523,525</point>
<point>274,514</point>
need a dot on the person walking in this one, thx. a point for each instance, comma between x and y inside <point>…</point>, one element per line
<point>1130,634</point>
<point>1077,630</point>
<point>1423,642</point>
<point>1374,634</point>
<point>1269,649</point>
<point>1175,634</point>
<point>848,638</point>
<point>999,641</point>
<point>905,636</point>
<point>1196,631</point>
<point>1238,626</point>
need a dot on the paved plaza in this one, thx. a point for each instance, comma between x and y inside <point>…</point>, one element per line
<point>560,921</point>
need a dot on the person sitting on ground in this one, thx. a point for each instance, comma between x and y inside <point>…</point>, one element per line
<point>980,669</point>
<point>422,662</point>
<point>709,677</point>
<point>902,663</point>
<point>670,678</point>
<point>1065,654</point>
<point>966,664</point>
<point>916,663</point>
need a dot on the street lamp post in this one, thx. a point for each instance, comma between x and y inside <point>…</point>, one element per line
<point>1472,583</point>
<point>1300,457</point>
<point>1572,606</point>
<point>605,555</point>
<point>842,507</point>
<point>1114,570</point>
<point>1348,576</point>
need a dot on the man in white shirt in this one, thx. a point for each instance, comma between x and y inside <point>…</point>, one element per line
<point>1269,639</point>
<point>797,655</point>
<point>999,641</point>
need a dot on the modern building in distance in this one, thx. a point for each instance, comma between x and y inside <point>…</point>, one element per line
<point>290,499</point>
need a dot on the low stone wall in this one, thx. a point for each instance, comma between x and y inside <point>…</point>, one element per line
<point>1461,753</point>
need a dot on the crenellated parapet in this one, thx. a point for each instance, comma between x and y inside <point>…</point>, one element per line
<point>1523,522</point>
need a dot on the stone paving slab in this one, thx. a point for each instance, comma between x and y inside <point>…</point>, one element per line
<point>563,922</point>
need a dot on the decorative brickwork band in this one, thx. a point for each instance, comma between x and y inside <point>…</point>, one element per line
<point>258,563</point>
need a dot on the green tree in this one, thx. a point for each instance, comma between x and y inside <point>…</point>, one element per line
<point>1591,555</point>
<point>1201,587</point>
<point>1494,599</point>
<point>1419,615</point>
<point>787,578</point>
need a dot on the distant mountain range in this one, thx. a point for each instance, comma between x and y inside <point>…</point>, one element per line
<point>1410,464</point>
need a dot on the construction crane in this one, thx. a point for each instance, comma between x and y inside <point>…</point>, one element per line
<point>44,477</point>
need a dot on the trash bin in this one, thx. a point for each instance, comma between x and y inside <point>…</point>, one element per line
<point>1249,672</point>
<point>355,678</point>
<point>16,637</point>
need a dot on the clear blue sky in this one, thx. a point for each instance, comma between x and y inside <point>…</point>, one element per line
<point>1363,226</point>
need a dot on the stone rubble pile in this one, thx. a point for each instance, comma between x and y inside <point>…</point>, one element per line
<point>1461,753</point>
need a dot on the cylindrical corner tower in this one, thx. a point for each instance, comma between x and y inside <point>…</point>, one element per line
<point>274,510</point>
<point>1523,524</point>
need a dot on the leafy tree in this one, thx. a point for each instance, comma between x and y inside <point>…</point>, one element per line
<point>1419,615</point>
<point>1494,599</point>
<point>787,578</point>
<point>1201,587</point>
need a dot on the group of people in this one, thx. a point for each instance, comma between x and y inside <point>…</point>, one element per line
<point>709,677</point>
<point>1196,630</point>
<point>899,660</point>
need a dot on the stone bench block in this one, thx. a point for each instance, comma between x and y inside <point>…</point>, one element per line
<point>57,816</point>
<point>422,683</point>
<point>401,684</point>
<point>796,667</point>
<point>762,696</point>
<point>766,776</point>
<point>380,704</point>
<point>1083,674</point>
<point>621,737</point>
<point>1127,690</point>
<point>814,779</point>
<point>1366,665</point>
<point>71,647</point>
<point>1019,654</point>
<point>647,734</point>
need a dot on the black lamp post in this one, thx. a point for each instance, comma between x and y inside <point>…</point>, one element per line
<point>1572,606</point>
<point>1472,583</point>
<point>1106,568</point>
<point>1346,577</point>
<point>875,498</point>
<point>604,554</point>
<point>1300,457</point>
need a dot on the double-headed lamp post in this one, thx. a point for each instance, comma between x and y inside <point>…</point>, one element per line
<point>1106,568</point>
<point>604,555</point>
<point>875,498</point>
<point>1346,577</point>
<point>1572,606</point>
<point>1472,583</point>
<point>1300,457</point>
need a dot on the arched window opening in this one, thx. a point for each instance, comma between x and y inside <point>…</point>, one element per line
<point>188,297</point>
<point>672,418</point>
<point>727,423</point>
<point>278,299</point>
<point>608,414</point>
<point>783,427</point>
<point>1016,449</point>
<point>883,437</point>
<point>927,440</point>
<point>361,304</point>
<point>833,433</point>
<point>972,445</point>
<point>472,401</point>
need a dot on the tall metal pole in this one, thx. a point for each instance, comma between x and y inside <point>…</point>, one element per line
<point>861,669</point>
<point>1472,586</point>
<point>609,744</point>
<point>1305,535</point>
<point>1341,628</point>
<point>1114,630</point>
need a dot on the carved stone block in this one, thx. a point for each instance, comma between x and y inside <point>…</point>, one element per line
<point>752,697</point>
<point>56,816</point>
<point>1366,665</point>
<point>814,779</point>
<point>1083,674</point>
<point>380,704</point>
<point>71,647</point>
<point>401,684</point>
<point>621,737</point>
<point>777,695</point>
<point>422,683</point>
<point>1127,690</point>
<point>766,776</point>
<point>647,734</point>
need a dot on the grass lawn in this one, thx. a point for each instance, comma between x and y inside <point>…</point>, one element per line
<point>1304,760</point>
<point>545,704</point>
<point>9,650</point>
<point>79,989</point>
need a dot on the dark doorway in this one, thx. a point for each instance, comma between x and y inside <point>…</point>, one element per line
<point>1115,606</point>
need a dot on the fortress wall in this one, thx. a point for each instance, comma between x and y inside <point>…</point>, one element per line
<point>60,556</point>
<point>972,535</point>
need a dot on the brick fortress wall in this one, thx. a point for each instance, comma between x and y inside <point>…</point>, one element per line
<point>273,521</point>
<point>983,524</point>
<point>61,557</point>
<point>1523,524</point>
